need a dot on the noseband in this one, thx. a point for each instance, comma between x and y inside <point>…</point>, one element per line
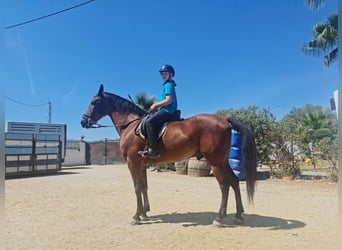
<point>88,122</point>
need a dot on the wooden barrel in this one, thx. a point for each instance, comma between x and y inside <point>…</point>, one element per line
<point>181,167</point>
<point>198,167</point>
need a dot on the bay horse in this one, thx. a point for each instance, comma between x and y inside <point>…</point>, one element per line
<point>203,135</point>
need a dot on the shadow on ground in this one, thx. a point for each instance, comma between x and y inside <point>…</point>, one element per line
<point>206,218</point>
<point>40,174</point>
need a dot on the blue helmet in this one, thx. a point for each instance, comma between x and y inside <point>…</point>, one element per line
<point>167,68</point>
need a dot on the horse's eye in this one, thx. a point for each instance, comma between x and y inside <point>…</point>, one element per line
<point>97,101</point>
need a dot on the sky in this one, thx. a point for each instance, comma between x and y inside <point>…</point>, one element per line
<point>228,54</point>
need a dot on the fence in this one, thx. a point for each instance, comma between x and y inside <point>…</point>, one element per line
<point>105,152</point>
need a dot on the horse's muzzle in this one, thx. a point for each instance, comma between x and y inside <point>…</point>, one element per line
<point>86,122</point>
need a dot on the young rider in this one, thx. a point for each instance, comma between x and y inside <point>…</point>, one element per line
<point>164,110</point>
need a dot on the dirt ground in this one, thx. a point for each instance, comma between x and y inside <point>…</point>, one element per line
<point>91,208</point>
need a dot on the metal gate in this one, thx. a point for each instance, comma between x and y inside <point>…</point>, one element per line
<point>32,153</point>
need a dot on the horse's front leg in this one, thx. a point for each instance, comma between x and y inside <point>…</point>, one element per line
<point>138,188</point>
<point>146,205</point>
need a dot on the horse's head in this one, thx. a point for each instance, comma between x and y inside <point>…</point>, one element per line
<point>95,111</point>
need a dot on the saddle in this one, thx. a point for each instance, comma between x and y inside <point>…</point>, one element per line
<point>141,128</point>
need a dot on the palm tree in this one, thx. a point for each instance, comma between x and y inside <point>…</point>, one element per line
<point>314,4</point>
<point>325,36</point>
<point>143,101</point>
<point>316,133</point>
<point>325,40</point>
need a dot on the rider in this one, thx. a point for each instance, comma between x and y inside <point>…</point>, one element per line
<point>164,110</point>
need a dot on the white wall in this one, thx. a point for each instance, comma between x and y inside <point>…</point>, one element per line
<point>75,155</point>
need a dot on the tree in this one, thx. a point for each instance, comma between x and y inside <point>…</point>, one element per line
<point>262,126</point>
<point>314,132</point>
<point>286,143</point>
<point>314,4</point>
<point>143,101</point>
<point>325,36</point>
<point>286,151</point>
<point>313,122</point>
<point>325,40</point>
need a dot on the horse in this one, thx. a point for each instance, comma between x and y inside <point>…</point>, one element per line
<point>202,135</point>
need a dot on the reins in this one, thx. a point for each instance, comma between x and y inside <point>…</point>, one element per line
<point>97,125</point>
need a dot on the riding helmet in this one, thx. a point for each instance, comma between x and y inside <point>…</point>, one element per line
<point>167,68</point>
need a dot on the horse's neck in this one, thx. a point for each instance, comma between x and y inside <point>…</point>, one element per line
<point>122,120</point>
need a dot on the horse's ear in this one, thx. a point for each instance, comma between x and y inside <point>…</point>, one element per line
<point>100,92</point>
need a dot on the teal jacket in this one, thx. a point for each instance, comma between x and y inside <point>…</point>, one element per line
<point>169,89</point>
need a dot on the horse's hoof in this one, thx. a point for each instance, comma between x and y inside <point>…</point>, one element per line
<point>144,217</point>
<point>216,223</point>
<point>238,220</point>
<point>135,222</point>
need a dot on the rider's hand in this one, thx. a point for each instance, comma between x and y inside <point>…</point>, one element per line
<point>153,107</point>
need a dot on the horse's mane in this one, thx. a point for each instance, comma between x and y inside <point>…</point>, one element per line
<point>125,105</point>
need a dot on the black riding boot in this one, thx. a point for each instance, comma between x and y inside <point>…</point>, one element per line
<point>152,151</point>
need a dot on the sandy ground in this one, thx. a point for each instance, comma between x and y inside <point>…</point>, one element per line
<point>91,208</point>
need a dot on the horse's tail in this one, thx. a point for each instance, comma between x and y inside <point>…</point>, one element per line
<point>248,153</point>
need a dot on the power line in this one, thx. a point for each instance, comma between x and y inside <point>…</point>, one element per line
<point>34,105</point>
<point>49,15</point>
<point>24,104</point>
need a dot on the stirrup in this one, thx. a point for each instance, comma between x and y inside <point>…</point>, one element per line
<point>148,154</point>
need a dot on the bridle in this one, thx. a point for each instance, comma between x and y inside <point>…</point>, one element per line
<point>88,122</point>
<point>92,124</point>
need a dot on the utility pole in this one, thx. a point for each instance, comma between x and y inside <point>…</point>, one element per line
<point>49,112</point>
<point>105,154</point>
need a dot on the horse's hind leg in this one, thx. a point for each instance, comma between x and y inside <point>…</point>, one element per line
<point>239,206</point>
<point>224,187</point>
<point>224,202</point>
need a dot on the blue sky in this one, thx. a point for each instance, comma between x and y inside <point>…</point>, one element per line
<point>227,54</point>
